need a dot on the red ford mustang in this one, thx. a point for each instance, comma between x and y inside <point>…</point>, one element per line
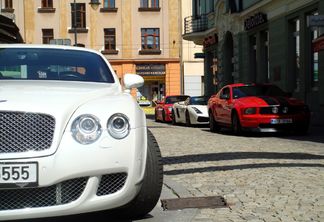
<point>163,109</point>
<point>257,107</point>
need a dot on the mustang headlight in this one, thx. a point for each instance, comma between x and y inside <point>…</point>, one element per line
<point>249,111</point>
<point>275,110</point>
<point>118,126</point>
<point>86,129</point>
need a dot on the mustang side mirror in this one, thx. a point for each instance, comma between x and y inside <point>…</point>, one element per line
<point>133,81</point>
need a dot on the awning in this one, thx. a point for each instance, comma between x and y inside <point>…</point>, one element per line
<point>9,32</point>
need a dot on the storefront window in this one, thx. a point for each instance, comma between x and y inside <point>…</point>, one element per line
<point>253,57</point>
<point>296,52</point>
<point>314,64</point>
<point>265,37</point>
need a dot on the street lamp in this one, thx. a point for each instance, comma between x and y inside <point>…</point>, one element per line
<point>94,5</point>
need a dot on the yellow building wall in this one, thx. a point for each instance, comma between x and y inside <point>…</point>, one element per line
<point>63,32</point>
<point>172,79</point>
<point>126,29</point>
<point>174,28</point>
<point>29,20</point>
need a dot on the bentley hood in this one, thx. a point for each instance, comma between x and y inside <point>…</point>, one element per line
<point>54,98</point>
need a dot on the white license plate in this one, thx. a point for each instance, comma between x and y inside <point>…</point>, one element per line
<point>18,174</point>
<point>281,121</point>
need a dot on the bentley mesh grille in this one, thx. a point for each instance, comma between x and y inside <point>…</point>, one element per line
<point>22,132</point>
<point>58,194</point>
<point>111,183</point>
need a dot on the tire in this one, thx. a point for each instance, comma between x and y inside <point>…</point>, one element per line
<point>174,121</point>
<point>188,123</point>
<point>236,125</point>
<point>150,191</point>
<point>156,116</point>
<point>213,126</point>
<point>163,116</point>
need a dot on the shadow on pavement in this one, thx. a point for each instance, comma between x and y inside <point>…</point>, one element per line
<point>239,167</point>
<point>238,156</point>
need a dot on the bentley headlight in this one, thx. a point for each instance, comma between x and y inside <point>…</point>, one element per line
<point>118,126</point>
<point>86,129</point>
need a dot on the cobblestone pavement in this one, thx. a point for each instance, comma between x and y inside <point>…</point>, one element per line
<point>262,177</point>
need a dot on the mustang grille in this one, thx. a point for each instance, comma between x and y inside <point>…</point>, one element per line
<point>291,110</point>
<point>58,194</point>
<point>111,183</point>
<point>22,132</point>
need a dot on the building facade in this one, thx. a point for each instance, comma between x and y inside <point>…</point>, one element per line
<point>136,36</point>
<point>192,65</point>
<point>264,41</point>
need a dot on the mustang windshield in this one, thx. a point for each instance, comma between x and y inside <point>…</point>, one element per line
<point>257,90</point>
<point>52,64</point>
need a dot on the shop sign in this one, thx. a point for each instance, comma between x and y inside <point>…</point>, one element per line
<point>150,69</point>
<point>210,40</point>
<point>255,21</point>
<point>318,44</point>
<point>315,20</point>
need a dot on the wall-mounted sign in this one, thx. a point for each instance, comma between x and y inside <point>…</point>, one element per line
<point>150,69</point>
<point>315,20</point>
<point>210,40</point>
<point>254,21</point>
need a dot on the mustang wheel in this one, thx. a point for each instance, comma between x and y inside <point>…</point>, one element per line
<point>156,116</point>
<point>150,191</point>
<point>236,125</point>
<point>213,126</point>
<point>163,116</point>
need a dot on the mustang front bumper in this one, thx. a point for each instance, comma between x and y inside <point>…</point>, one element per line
<point>273,123</point>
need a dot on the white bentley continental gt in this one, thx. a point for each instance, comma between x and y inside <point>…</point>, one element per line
<point>192,111</point>
<point>72,139</point>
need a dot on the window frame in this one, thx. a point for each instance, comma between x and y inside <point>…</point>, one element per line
<point>47,37</point>
<point>47,6</point>
<point>8,4</point>
<point>149,5</point>
<point>81,21</point>
<point>8,7</point>
<point>108,6</point>
<point>112,48</point>
<point>145,34</point>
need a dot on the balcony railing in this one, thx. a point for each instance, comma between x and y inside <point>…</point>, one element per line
<point>195,24</point>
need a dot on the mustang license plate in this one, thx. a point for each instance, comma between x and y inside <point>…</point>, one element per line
<point>18,174</point>
<point>281,121</point>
